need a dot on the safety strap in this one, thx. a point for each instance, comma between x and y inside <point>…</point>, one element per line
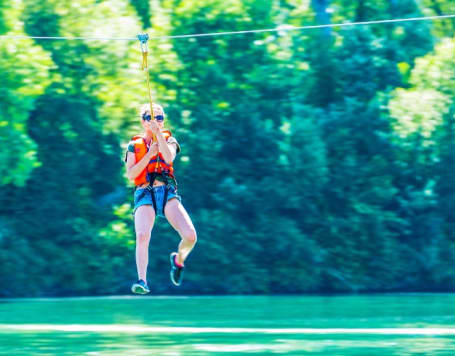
<point>166,192</point>
<point>150,188</point>
<point>152,193</point>
<point>151,176</point>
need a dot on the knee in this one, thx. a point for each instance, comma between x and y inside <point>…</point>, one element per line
<point>142,237</point>
<point>190,236</point>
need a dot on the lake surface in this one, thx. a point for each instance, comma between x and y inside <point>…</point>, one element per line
<point>395,324</point>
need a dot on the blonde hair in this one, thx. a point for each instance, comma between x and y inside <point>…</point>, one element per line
<point>145,108</point>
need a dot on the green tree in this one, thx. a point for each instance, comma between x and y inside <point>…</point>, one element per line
<point>422,117</point>
<point>75,124</point>
<point>24,74</point>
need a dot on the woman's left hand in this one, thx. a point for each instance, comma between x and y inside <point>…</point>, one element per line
<point>153,126</point>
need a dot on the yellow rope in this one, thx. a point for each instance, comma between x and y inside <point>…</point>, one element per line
<point>143,39</point>
<point>145,67</point>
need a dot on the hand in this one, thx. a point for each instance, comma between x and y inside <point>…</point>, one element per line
<point>153,126</point>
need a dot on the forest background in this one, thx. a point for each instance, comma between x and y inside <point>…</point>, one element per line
<point>313,161</point>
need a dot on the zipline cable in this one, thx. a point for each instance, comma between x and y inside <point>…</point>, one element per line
<point>282,28</point>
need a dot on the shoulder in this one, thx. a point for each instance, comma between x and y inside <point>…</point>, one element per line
<point>135,140</point>
<point>166,133</point>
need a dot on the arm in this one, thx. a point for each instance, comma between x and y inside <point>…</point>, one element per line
<point>168,150</point>
<point>133,168</point>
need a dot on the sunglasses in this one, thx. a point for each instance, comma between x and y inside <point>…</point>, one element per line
<point>157,117</point>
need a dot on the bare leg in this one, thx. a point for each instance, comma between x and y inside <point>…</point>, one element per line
<point>144,218</point>
<point>181,222</point>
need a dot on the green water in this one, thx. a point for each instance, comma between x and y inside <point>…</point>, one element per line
<point>109,316</point>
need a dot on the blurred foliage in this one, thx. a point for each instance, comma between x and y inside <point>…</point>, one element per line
<point>24,77</point>
<point>312,161</point>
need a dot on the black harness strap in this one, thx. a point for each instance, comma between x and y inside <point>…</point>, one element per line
<point>166,190</point>
<point>151,178</point>
<point>150,188</point>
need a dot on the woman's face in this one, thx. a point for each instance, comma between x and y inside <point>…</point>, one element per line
<point>158,117</point>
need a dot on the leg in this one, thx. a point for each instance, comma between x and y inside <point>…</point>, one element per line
<point>181,222</point>
<point>144,218</point>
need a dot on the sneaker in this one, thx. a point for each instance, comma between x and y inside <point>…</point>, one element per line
<point>140,287</point>
<point>176,272</point>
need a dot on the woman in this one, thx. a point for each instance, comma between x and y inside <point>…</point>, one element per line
<point>149,164</point>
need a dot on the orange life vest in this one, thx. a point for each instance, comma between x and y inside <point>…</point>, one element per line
<point>157,163</point>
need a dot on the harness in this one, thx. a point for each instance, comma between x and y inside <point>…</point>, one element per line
<point>149,188</point>
<point>157,166</point>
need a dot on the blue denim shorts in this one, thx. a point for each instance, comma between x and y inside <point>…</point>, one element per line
<point>143,196</point>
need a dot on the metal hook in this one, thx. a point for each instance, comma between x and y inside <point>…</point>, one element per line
<point>143,38</point>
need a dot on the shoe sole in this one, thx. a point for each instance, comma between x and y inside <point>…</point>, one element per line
<point>171,259</point>
<point>138,289</point>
